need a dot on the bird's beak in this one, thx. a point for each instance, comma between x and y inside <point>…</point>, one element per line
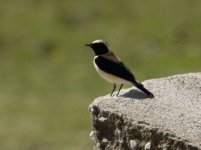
<point>88,45</point>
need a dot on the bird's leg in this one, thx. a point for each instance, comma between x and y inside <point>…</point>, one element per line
<point>113,89</point>
<point>119,89</point>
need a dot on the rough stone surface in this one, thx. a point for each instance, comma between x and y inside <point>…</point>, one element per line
<point>170,121</point>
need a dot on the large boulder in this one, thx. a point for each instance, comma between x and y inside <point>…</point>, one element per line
<point>170,121</point>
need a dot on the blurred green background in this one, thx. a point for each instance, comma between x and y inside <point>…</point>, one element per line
<point>47,79</point>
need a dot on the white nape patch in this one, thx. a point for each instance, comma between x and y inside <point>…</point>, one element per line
<point>98,41</point>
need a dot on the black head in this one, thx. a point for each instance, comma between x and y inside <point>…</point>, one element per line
<point>99,47</point>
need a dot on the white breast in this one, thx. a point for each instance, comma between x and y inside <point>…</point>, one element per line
<point>109,77</point>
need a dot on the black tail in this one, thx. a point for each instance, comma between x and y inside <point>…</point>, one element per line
<point>141,87</point>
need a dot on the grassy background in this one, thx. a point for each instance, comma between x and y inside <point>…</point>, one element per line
<point>47,79</point>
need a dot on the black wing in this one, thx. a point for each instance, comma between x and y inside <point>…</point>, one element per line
<point>118,69</point>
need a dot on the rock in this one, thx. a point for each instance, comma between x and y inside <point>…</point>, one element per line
<point>170,121</point>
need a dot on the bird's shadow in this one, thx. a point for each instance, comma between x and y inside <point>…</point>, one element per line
<point>134,94</point>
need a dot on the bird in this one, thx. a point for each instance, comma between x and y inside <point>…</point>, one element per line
<point>112,69</point>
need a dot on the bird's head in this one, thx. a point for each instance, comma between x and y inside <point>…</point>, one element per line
<point>99,47</point>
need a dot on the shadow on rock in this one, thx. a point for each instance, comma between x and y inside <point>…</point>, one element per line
<point>135,94</point>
